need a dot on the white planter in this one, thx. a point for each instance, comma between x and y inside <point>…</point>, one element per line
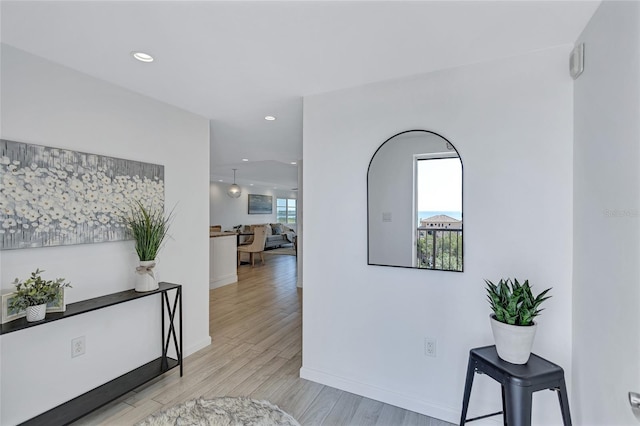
<point>513,342</point>
<point>145,277</point>
<point>36,313</point>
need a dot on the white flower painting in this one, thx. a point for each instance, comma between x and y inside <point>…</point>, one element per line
<point>51,197</point>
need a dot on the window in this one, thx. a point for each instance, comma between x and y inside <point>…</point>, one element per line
<point>439,213</point>
<point>286,210</point>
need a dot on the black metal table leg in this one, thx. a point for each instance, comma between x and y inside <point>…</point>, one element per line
<point>171,333</point>
<point>471,370</point>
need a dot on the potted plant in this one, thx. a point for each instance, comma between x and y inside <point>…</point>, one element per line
<point>34,294</point>
<point>512,321</point>
<point>148,228</point>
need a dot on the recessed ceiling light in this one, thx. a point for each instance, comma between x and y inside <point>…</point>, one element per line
<point>220,180</point>
<point>142,57</point>
<point>270,118</point>
<point>245,159</point>
<point>294,163</point>
<point>250,184</point>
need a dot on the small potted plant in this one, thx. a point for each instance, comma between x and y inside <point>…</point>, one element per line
<point>34,294</point>
<point>512,321</point>
<point>149,229</point>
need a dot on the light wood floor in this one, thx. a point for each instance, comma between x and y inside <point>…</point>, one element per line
<point>255,326</point>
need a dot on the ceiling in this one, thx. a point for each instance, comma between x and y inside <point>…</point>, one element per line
<point>235,62</point>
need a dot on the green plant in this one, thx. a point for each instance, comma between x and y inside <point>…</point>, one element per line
<point>148,228</point>
<point>36,291</point>
<point>513,303</point>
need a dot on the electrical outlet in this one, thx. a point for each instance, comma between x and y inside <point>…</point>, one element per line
<point>430,347</point>
<point>78,346</point>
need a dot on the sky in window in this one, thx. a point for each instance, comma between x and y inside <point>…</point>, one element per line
<point>440,185</point>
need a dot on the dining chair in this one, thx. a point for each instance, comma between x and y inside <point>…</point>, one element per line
<point>257,246</point>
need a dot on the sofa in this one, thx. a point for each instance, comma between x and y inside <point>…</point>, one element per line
<point>278,234</point>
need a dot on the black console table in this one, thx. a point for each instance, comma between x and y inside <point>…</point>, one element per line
<point>76,408</point>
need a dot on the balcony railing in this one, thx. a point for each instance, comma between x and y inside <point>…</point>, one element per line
<point>439,249</point>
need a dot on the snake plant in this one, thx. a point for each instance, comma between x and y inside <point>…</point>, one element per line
<point>513,303</point>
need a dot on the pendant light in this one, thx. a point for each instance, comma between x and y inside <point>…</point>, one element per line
<point>234,190</point>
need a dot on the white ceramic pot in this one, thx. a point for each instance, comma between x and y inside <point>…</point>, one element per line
<point>36,313</point>
<point>513,342</point>
<point>145,277</point>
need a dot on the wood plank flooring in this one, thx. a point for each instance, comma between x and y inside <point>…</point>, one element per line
<point>256,351</point>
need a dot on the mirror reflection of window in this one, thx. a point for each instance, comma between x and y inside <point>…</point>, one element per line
<point>414,203</point>
<point>438,213</point>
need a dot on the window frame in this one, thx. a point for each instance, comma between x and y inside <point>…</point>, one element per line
<point>287,208</point>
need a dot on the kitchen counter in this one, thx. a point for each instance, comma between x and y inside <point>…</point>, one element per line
<point>223,258</point>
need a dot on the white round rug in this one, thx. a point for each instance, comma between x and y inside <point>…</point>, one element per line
<point>226,411</point>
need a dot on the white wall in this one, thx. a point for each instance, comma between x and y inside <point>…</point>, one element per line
<point>229,212</point>
<point>44,103</point>
<point>300,230</point>
<point>606,290</point>
<point>364,326</point>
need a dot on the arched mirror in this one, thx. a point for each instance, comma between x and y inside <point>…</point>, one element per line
<point>414,197</point>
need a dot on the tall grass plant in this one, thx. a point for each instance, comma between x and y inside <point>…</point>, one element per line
<point>149,230</point>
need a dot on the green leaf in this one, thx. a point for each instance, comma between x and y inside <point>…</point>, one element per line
<point>149,229</point>
<point>35,291</point>
<point>513,303</point>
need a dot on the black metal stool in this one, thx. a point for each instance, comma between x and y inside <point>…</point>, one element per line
<point>518,383</point>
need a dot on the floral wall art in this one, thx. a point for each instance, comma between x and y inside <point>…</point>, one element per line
<point>51,196</point>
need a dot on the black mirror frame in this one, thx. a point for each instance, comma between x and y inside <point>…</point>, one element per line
<point>462,201</point>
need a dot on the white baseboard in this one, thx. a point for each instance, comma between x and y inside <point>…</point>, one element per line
<point>222,281</point>
<point>408,402</point>
<point>195,348</point>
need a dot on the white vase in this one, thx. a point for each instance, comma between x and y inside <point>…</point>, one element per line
<point>36,313</point>
<point>513,342</point>
<point>145,276</point>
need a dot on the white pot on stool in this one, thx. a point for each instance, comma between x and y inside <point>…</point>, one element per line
<point>513,342</point>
